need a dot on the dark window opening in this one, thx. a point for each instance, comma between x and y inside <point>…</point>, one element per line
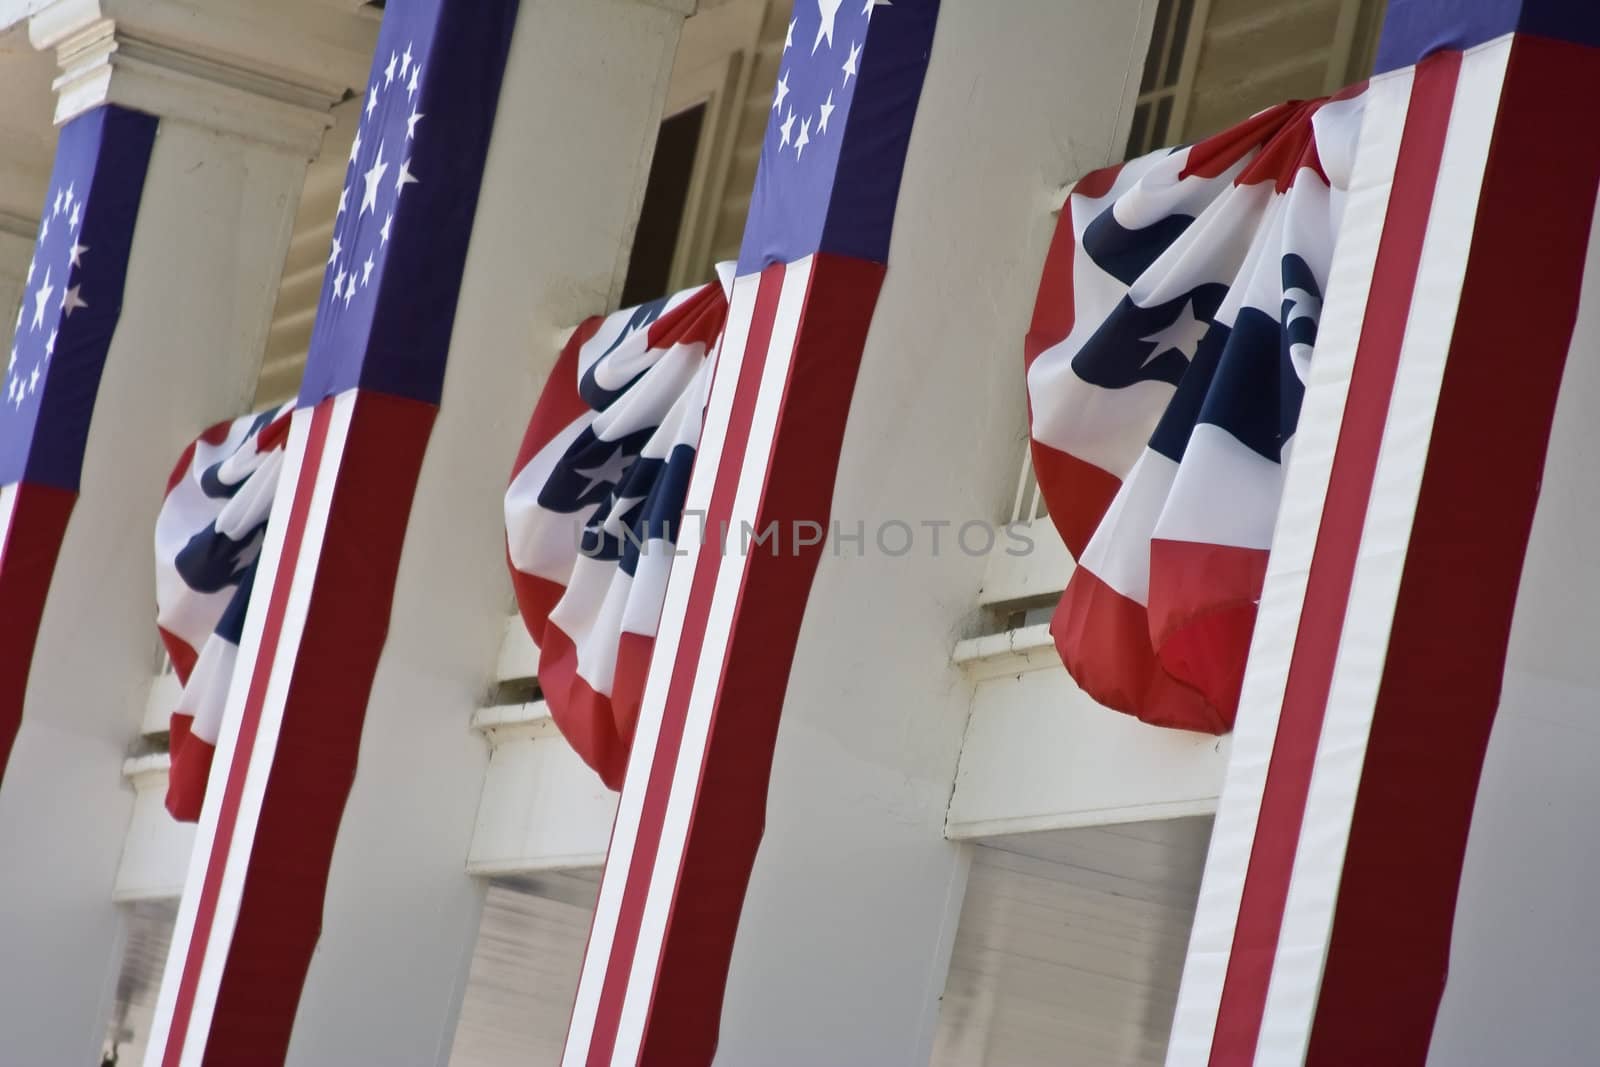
<point>666,194</point>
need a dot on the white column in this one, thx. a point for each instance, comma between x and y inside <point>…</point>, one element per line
<point>243,99</point>
<point>848,923</point>
<point>575,130</point>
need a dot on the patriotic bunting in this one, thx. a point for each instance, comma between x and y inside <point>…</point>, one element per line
<point>1166,362</point>
<point>596,502</point>
<point>208,538</point>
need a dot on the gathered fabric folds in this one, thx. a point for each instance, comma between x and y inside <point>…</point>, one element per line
<point>1175,327</point>
<point>596,502</point>
<point>208,540</point>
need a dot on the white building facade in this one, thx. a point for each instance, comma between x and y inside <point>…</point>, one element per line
<point>965,860</point>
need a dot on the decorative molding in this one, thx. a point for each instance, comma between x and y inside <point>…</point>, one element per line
<point>101,65</point>
<point>269,73</point>
<point>505,722</point>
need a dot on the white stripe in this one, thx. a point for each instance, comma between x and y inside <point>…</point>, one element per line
<point>1119,552</point>
<point>1223,493</point>
<point>1319,858</point>
<point>8,507</point>
<point>1283,594</point>
<point>756,463</point>
<point>625,830</point>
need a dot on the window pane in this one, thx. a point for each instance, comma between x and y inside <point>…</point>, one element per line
<point>1136,134</point>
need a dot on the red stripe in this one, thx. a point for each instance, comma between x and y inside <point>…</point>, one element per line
<point>582,713</point>
<point>1203,613</point>
<point>729,811</point>
<point>189,770</point>
<point>664,759</point>
<point>1344,512</point>
<point>1390,945</point>
<point>1104,641</point>
<point>33,536</point>
<point>249,726</point>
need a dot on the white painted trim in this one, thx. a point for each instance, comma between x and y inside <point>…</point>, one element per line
<point>162,701</point>
<point>504,721</point>
<point>157,848</point>
<point>519,656</point>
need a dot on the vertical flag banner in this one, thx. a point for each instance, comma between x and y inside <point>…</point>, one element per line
<point>694,797</point>
<point>595,505</point>
<point>286,754</point>
<point>71,301</point>
<point>1166,363</point>
<point>1323,930</point>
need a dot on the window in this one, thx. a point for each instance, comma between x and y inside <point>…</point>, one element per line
<point>1160,96</point>
<point>666,195</point>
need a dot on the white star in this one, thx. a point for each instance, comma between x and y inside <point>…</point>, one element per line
<point>827,113</point>
<point>867,11</point>
<point>76,254</point>
<point>71,301</point>
<point>44,229</point>
<point>783,91</point>
<point>50,345</point>
<point>1182,334</point>
<point>411,123</point>
<point>33,379</point>
<point>338,282</point>
<point>829,10</point>
<point>76,217</point>
<point>349,289</point>
<point>344,201</point>
<point>13,362</point>
<point>56,211</point>
<point>804,138</point>
<point>405,60</point>
<point>366,271</point>
<point>333,253</point>
<point>411,86</point>
<point>372,100</point>
<point>788,37</point>
<point>66,205</point>
<point>608,473</point>
<point>850,64</point>
<point>384,231</point>
<point>388,72</point>
<point>784,128</point>
<point>31,261</point>
<point>404,178</point>
<point>41,298</point>
<point>369,198</point>
<point>355,146</point>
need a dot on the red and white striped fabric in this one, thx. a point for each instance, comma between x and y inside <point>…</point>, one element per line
<point>1165,365</point>
<point>595,504</point>
<point>1323,933</point>
<point>208,537</point>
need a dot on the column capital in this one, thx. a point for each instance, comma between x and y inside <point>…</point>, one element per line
<point>267,72</point>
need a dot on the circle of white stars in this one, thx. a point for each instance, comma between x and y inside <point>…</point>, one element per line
<point>55,291</point>
<point>813,125</point>
<point>349,269</point>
